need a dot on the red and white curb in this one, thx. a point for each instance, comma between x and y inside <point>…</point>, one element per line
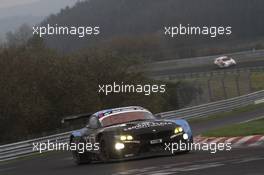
<point>246,141</point>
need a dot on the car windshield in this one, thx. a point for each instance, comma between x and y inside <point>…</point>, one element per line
<point>226,59</point>
<point>125,117</point>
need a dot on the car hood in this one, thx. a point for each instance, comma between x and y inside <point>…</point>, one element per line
<point>142,127</point>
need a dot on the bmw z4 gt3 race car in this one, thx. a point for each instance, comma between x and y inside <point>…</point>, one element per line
<point>127,132</point>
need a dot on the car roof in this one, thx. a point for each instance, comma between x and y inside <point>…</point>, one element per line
<point>222,57</point>
<point>108,112</point>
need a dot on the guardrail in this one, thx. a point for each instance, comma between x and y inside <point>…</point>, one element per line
<point>24,148</point>
<point>209,73</point>
<point>172,63</point>
<point>215,107</point>
<point>20,149</point>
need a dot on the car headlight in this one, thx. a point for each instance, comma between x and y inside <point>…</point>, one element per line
<point>178,130</point>
<point>129,137</point>
<point>119,146</point>
<point>185,136</point>
<point>123,138</point>
<point>126,137</point>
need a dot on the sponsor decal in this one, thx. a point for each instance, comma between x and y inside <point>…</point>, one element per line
<point>148,125</point>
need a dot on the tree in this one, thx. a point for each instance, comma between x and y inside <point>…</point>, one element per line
<point>20,36</point>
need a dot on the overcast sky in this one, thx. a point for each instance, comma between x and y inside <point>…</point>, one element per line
<point>11,8</point>
<point>11,3</point>
<point>14,13</point>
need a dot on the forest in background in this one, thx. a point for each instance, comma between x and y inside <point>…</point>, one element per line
<point>137,27</point>
<point>38,87</point>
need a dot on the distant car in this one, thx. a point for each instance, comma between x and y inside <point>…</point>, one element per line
<point>224,62</point>
<point>127,132</point>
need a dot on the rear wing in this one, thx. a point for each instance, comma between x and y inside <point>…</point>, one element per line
<point>76,117</point>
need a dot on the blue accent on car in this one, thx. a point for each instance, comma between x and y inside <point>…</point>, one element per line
<point>112,110</point>
<point>76,134</point>
<point>184,124</point>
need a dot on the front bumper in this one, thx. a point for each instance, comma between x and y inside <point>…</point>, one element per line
<point>147,147</point>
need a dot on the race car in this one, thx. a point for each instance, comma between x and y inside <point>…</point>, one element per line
<point>224,62</point>
<point>125,133</point>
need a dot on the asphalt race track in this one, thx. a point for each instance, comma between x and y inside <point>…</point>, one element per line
<point>206,68</point>
<point>244,161</point>
<point>237,162</point>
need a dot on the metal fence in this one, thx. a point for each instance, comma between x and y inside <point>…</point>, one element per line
<point>20,149</point>
<point>219,85</point>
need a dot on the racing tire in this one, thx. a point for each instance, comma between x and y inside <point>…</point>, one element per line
<point>104,154</point>
<point>189,142</point>
<point>79,158</point>
<point>186,150</point>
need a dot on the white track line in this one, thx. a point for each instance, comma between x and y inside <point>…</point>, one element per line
<point>252,119</point>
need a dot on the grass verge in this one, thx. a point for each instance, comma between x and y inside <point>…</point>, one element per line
<point>257,81</point>
<point>255,127</point>
<point>234,112</point>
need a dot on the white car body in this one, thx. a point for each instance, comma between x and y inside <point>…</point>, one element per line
<point>224,62</point>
